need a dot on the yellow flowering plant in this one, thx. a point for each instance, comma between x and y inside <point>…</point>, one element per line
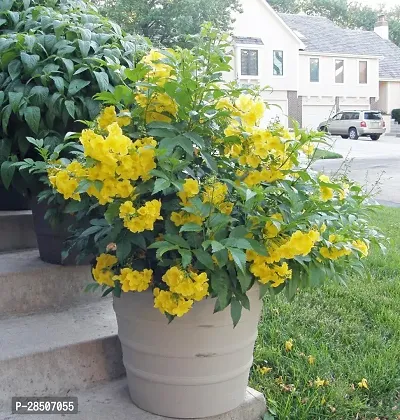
<point>193,195</point>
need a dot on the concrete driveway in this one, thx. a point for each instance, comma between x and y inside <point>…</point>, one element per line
<point>373,164</point>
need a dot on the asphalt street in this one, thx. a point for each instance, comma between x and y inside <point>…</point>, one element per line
<point>373,164</point>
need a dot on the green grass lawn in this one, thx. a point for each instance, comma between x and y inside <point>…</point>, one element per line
<point>326,154</point>
<point>352,332</point>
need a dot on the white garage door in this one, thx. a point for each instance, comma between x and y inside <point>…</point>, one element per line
<point>278,110</point>
<point>313,115</point>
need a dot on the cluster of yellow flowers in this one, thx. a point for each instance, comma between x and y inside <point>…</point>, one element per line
<point>266,269</point>
<point>138,220</point>
<point>214,194</point>
<point>184,289</point>
<point>258,148</point>
<point>117,162</point>
<point>156,105</point>
<point>103,272</point>
<point>133,280</point>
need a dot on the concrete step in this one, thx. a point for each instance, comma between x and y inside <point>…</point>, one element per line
<point>112,401</point>
<point>16,228</point>
<point>29,285</point>
<point>51,354</point>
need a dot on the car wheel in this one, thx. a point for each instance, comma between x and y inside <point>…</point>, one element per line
<point>344,137</point>
<point>375,137</point>
<point>353,134</point>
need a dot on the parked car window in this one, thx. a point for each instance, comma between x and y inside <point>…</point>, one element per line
<point>347,115</point>
<point>278,63</point>
<point>337,117</point>
<point>363,72</point>
<point>314,69</point>
<point>249,62</point>
<point>356,116</point>
<point>339,71</point>
<point>372,115</point>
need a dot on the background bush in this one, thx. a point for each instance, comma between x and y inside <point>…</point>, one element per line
<point>396,115</point>
<point>54,56</point>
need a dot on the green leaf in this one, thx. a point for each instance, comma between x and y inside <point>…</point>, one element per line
<point>186,257</point>
<point>161,251</point>
<point>205,258</point>
<point>236,311</point>
<point>7,171</point>
<point>177,240</point>
<point>210,161</point>
<point>69,65</point>
<point>29,61</point>
<point>239,232</point>
<point>161,184</point>
<point>84,47</point>
<point>162,132</point>
<point>6,117</point>
<point>239,257</point>
<point>112,212</point>
<point>32,117</point>
<point>102,80</point>
<point>70,105</point>
<point>264,288</point>
<point>59,83</point>
<point>220,285</point>
<point>240,243</point>
<point>5,148</point>
<point>196,139</point>
<point>14,69</point>
<point>257,247</point>
<point>124,248</point>
<point>216,246</point>
<point>185,143</point>
<point>191,227</point>
<point>76,85</point>
<point>91,230</point>
<point>38,95</point>
<point>14,98</point>
<point>245,280</point>
<point>1,97</point>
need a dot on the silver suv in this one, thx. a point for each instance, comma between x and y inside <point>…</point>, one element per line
<point>354,124</point>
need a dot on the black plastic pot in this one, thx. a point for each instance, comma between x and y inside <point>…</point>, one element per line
<point>11,200</point>
<point>51,240</point>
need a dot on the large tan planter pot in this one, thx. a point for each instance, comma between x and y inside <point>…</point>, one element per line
<point>197,366</point>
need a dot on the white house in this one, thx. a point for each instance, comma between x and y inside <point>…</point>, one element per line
<point>313,66</point>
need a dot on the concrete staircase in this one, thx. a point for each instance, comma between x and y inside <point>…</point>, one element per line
<point>57,340</point>
<point>394,128</point>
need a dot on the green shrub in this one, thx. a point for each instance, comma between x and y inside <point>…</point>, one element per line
<point>396,115</point>
<point>54,56</point>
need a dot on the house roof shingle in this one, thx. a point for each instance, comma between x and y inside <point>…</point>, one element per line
<point>319,34</point>
<point>248,40</point>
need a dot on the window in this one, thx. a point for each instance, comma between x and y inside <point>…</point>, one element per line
<point>314,69</point>
<point>372,116</point>
<point>278,63</point>
<point>351,116</point>
<point>339,71</point>
<point>363,72</point>
<point>337,117</point>
<point>249,62</point>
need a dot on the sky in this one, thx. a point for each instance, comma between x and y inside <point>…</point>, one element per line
<point>372,3</point>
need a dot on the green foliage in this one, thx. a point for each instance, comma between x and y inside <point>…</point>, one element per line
<point>168,22</point>
<point>396,115</point>
<point>54,56</point>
